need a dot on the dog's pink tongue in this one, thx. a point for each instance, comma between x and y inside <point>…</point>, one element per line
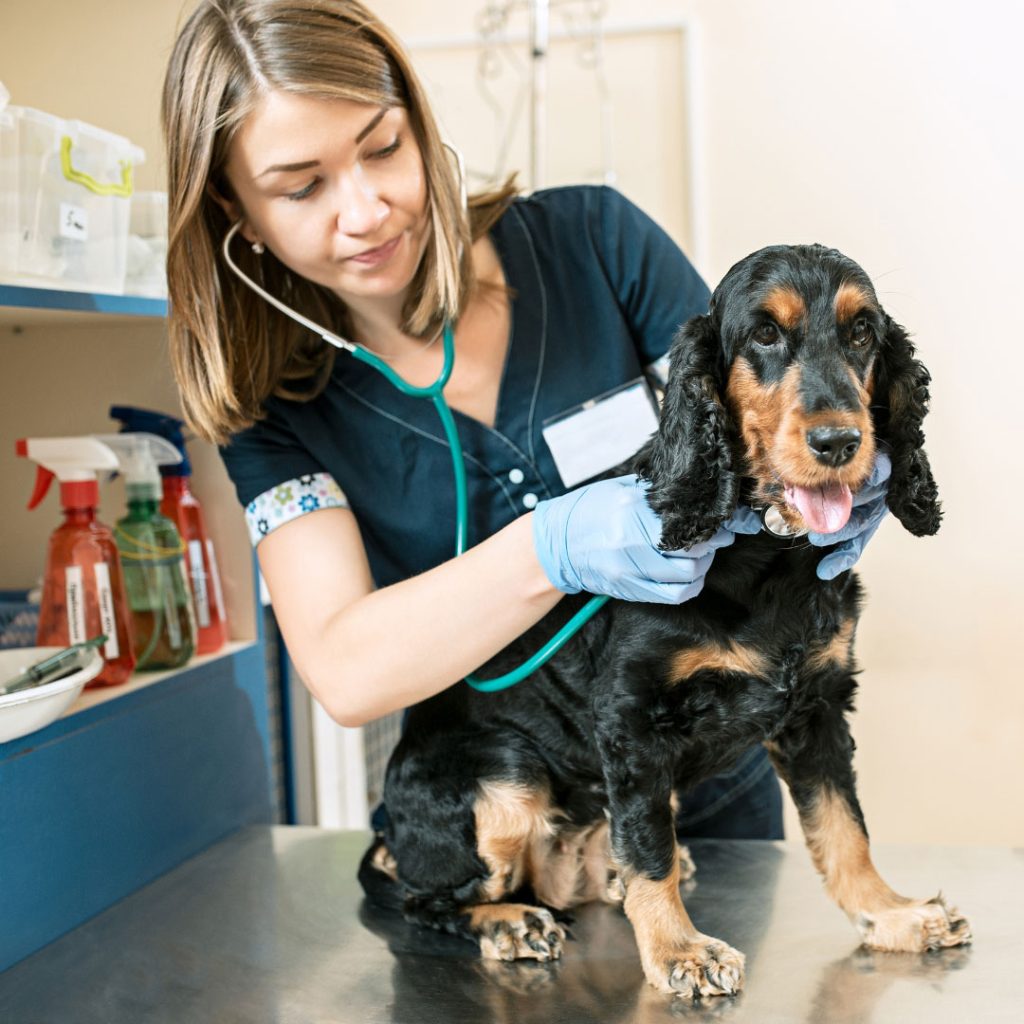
<point>825,509</point>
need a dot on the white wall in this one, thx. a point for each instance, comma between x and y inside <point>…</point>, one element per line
<point>891,131</point>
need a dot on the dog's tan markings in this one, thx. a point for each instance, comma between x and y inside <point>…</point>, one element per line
<point>714,657</point>
<point>570,866</point>
<point>675,956</point>
<point>786,306</point>
<point>383,861</point>
<point>514,931</point>
<point>850,300</point>
<point>837,652</point>
<point>511,820</point>
<point>793,461</point>
<point>774,426</point>
<point>886,920</point>
<point>754,408</point>
<point>869,386</point>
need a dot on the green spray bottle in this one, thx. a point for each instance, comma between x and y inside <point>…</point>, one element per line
<point>152,554</point>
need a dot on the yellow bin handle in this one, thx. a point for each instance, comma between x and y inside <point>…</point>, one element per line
<point>122,188</point>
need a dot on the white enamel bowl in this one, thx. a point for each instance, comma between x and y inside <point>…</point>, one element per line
<point>29,710</point>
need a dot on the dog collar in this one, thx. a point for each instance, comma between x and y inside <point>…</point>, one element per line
<point>773,523</point>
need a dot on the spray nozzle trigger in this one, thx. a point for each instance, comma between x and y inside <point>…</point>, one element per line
<point>43,480</point>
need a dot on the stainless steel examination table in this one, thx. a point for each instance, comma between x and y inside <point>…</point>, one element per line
<point>269,926</point>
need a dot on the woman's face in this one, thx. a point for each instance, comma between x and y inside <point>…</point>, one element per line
<point>336,190</point>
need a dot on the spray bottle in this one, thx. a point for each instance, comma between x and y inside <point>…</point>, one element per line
<point>180,505</point>
<point>152,555</point>
<point>83,588</point>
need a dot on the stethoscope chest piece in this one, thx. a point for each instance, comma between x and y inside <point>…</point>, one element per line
<point>773,521</point>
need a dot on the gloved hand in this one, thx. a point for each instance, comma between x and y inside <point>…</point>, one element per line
<point>603,538</point>
<point>869,510</point>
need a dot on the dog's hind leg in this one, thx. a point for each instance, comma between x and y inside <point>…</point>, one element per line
<point>463,841</point>
<point>514,830</point>
<point>676,957</point>
<point>816,760</point>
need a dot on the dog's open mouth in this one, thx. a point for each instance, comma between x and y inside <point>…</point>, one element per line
<point>825,509</point>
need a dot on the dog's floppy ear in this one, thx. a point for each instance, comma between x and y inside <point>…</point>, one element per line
<point>689,460</point>
<point>900,404</point>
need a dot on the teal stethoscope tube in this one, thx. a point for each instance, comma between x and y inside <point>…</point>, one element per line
<point>435,392</point>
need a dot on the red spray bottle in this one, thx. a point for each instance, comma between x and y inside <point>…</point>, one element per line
<point>83,588</point>
<point>182,508</point>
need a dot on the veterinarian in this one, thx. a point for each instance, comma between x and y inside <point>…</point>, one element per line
<point>304,124</point>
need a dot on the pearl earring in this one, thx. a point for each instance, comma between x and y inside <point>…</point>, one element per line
<point>257,247</point>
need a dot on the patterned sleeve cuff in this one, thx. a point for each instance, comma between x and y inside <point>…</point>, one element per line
<point>289,500</point>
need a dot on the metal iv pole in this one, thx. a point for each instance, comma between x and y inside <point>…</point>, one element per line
<point>540,30</point>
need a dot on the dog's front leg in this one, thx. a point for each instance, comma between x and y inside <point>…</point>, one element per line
<point>676,957</point>
<point>816,761</point>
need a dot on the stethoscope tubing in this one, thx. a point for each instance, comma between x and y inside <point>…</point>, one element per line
<point>435,392</point>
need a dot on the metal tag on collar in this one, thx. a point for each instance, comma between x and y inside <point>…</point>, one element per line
<point>773,522</point>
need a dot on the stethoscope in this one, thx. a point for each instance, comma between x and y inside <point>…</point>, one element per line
<point>435,392</point>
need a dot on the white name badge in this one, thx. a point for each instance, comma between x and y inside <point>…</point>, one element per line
<point>602,432</point>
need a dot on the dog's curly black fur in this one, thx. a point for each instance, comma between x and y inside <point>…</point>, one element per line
<point>498,803</point>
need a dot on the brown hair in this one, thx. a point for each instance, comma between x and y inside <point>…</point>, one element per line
<point>230,350</point>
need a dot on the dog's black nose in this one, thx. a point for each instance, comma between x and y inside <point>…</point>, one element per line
<point>834,446</point>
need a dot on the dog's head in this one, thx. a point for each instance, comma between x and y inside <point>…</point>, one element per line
<point>785,390</point>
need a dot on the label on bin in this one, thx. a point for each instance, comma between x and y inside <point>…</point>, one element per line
<point>74,222</point>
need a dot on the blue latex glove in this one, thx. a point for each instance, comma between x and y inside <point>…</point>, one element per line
<point>869,509</point>
<point>603,538</point>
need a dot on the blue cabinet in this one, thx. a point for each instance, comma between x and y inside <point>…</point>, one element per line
<point>134,779</point>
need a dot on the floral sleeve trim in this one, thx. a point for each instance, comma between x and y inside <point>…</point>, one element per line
<point>289,500</point>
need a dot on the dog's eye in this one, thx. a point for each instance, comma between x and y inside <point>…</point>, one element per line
<point>860,333</point>
<point>766,334</point>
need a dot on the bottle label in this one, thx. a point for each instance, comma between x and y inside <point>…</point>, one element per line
<point>215,576</point>
<point>171,616</point>
<point>75,602</point>
<point>199,591</point>
<point>108,623</point>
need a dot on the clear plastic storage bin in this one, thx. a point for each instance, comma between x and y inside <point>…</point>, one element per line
<point>67,225</point>
<point>147,246</point>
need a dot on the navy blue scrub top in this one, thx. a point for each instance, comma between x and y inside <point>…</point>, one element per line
<point>598,291</point>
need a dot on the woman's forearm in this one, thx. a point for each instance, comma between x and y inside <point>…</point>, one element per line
<point>404,643</point>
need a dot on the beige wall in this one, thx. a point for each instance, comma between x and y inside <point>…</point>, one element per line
<point>100,63</point>
<point>887,130</point>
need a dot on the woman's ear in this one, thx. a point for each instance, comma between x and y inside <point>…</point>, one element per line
<point>900,405</point>
<point>689,460</point>
<point>233,211</point>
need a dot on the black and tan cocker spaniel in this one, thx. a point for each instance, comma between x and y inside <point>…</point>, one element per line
<point>504,807</point>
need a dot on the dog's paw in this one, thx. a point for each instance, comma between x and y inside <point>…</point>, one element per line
<point>513,931</point>
<point>702,967</point>
<point>916,928</point>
